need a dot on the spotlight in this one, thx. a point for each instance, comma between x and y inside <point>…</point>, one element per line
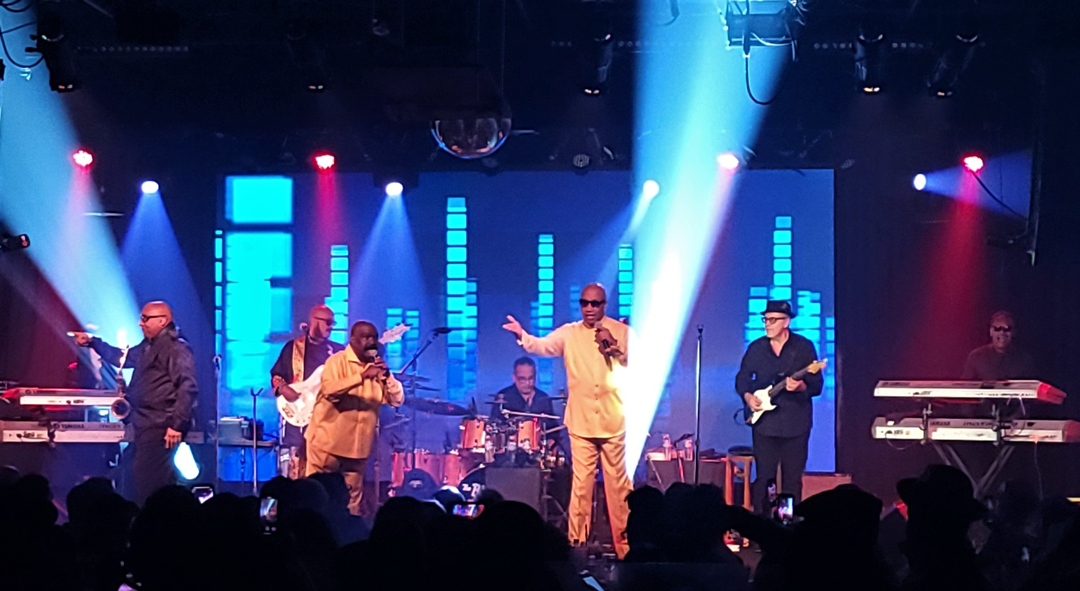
<point>9,243</point>
<point>919,182</point>
<point>728,161</point>
<point>149,187</point>
<point>869,59</point>
<point>307,48</point>
<point>650,189</point>
<point>394,189</point>
<point>973,163</point>
<point>953,60</point>
<point>56,51</point>
<point>325,161</point>
<point>594,37</point>
<point>83,158</point>
<point>776,22</point>
<point>956,50</point>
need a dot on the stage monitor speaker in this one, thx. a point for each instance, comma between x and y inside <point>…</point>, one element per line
<point>817,482</point>
<point>516,484</point>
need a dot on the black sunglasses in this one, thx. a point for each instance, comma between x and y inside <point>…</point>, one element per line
<point>145,318</point>
<point>1001,328</point>
<point>593,303</point>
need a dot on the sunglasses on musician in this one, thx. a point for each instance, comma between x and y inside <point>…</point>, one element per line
<point>593,303</point>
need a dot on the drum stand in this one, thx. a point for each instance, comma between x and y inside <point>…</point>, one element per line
<point>558,518</point>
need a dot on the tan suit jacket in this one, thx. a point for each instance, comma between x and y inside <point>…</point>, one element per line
<point>347,409</point>
<point>594,406</point>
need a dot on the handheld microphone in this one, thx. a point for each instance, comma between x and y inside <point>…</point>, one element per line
<point>604,342</point>
<point>374,353</point>
<point>443,330</point>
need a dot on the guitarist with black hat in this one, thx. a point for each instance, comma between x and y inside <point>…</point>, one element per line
<point>777,379</point>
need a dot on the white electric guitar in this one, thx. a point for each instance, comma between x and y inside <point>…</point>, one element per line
<point>298,412</point>
<point>766,395</point>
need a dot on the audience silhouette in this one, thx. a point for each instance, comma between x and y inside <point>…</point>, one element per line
<point>679,539</point>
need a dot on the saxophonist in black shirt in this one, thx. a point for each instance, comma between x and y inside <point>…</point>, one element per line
<point>781,435</point>
<point>162,394</point>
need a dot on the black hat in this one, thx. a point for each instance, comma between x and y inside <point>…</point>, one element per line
<point>942,490</point>
<point>779,307</point>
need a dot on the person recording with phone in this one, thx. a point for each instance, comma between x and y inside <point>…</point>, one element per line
<point>162,394</point>
<point>355,383</point>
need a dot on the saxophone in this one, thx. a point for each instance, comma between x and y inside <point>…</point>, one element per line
<point>121,408</point>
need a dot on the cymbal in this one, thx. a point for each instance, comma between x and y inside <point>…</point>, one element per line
<point>408,377</point>
<point>436,407</point>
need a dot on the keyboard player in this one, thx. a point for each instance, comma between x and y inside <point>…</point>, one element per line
<point>1000,359</point>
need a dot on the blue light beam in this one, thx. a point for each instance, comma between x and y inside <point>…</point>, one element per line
<point>692,107</point>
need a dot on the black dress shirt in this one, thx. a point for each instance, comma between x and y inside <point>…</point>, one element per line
<point>314,356</point>
<point>541,404</point>
<point>762,368</point>
<point>985,364</point>
<point>163,388</point>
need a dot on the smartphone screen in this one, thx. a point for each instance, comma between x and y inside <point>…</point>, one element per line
<point>785,508</point>
<point>268,511</point>
<point>470,510</point>
<point>203,493</point>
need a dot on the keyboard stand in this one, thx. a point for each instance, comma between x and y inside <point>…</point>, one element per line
<point>983,483</point>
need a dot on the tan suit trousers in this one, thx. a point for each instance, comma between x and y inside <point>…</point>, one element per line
<point>611,452</point>
<point>351,468</point>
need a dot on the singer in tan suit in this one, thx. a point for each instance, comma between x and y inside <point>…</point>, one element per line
<point>593,350</point>
<point>355,383</point>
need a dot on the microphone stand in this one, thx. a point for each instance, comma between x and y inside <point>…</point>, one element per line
<point>255,440</point>
<point>412,364</point>
<point>697,406</point>
<point>217,430</point>
<point>410,392</point>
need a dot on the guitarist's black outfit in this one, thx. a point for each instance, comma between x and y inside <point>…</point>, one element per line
<point>781,436</point>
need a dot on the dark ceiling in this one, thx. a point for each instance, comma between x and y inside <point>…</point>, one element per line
<point>234,73</point>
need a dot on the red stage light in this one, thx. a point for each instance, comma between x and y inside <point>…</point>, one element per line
<point>324,161</point>
<point>973,163</point>
<point>83,158</point>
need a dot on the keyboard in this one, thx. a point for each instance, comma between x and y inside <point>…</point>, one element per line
<point>60,432</point>
<point>944,429</point>
<point>1033,390</point>
<point>61,397</point>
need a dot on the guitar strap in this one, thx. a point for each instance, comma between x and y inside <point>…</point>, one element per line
<point>298,358</point>
<point>296,464</point>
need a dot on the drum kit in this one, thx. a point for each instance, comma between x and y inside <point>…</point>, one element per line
<point>512,439</point>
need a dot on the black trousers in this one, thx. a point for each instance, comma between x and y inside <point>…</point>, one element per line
<point>152,465</point>
<point>789,453</point>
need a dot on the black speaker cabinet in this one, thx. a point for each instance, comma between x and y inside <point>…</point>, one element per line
<point>516,484</point>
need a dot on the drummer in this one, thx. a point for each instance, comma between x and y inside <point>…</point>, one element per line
<point>523,396</point>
